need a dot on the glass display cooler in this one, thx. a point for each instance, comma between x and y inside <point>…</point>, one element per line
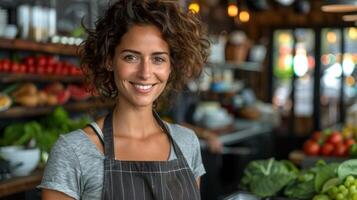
<point>313,77</point>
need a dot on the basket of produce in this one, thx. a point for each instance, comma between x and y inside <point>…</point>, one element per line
<point>282,180</point>
<point>330,145</point>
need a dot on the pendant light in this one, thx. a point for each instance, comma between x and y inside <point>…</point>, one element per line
<point>339,6</point>
<point>232,9</point>
<point>194,7</point>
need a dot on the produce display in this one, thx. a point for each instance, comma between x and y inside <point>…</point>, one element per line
<point>331,143</point>
<point>42,133</point>
<point>40,65</point>
<point>271,178</point>
<point>5,101</point>
<point>28,94</point>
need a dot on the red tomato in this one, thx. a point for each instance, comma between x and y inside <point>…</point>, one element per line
<point>74,71</point>
<point>57,68</point>
<point>1,65</point>
<point>311,147</point>
<point>349,142</point>
<point>31,69</point>
<point>340,150</point>
<point>29,60</point>
<point>15,67</point>
<point>41,70</point>
<point>64,70</point>
<point>6,65</point>
<point>50,69</point>
<point>23,68</point>
<point>335,138</point>
<point>50,60</point>
<point>327,149</point>
<point>41,61</point>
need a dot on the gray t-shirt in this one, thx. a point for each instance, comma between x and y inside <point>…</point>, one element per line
<point>75,166</point>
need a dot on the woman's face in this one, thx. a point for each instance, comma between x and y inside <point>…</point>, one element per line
<point>141,65</point>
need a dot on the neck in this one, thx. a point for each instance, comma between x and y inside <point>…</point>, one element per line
<point>134,122</point>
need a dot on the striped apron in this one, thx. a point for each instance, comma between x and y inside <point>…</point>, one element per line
<point>146,180</point>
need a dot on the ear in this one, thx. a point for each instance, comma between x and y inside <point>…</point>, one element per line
<point>109,65</point>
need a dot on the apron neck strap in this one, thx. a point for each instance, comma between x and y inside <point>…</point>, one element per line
<point>108,136</point>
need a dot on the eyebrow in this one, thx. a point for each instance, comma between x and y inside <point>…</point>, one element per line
<point>137,52</point>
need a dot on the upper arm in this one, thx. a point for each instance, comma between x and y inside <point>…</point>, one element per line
<point>53,194</point>
<point>62,172</point>
<point>197,164</point>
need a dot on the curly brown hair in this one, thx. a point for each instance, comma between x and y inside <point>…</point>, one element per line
<point>181,30</point>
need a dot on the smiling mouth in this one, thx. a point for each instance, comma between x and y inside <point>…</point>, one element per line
<point>142,87</point>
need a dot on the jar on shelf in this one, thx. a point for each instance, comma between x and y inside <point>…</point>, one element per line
<point>237,47</point>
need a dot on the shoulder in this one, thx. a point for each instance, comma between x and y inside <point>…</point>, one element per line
<point>189,144</point>
<point>182,134</point>
<point>186,139</point>
<point>74,139</point>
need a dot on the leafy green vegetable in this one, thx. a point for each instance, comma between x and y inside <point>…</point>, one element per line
<point>43,133</point>
<point>330,184</point>
<point>11,134</point>
<point>311,181</point>
<point>321,197</point>
<point>302,187</point>
<point>324,173</point>
<point>267,177</point>
<point>346,168</point>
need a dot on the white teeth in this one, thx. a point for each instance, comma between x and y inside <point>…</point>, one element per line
<point>142,87</point>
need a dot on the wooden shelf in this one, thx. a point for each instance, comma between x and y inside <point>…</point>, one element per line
<point>28,45</point>
<point>20,184</point>
<point>12,78</point>
<point>21,111</point>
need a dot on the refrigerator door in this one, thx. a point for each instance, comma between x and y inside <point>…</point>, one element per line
<point>350,74</point>
<point>282,67</point>
<point>304,69</point>
<point>331,71</point>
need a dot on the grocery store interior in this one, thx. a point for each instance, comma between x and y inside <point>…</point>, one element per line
<point>278,95</point>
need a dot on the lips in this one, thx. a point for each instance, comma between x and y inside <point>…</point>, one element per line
<point>142,88</point>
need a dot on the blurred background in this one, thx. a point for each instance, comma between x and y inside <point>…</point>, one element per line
<point>281,73</point>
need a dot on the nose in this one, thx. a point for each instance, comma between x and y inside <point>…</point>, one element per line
<point>145,70</point>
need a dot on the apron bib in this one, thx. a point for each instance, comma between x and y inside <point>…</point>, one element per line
<point>146,180</point>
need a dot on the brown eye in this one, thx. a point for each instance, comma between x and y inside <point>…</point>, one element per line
<point>131,58</point>
<point>159,60</point>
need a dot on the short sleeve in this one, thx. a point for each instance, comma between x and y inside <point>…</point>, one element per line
<point>198,168</point>
<point>62,171</point>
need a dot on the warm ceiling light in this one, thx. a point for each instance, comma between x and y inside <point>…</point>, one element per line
<point>350,18</point>
<point>352,33</point>
<point>194,7</point>
<point>331,37</point>
<point>232,10</point>
<point>244,16</point>
<point>340,6</point>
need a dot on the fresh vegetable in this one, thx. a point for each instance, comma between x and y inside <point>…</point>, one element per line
<point>327,149</point>
<point>266,178</point>
<point>310,181</point>
<point>343,185</point>
<point>329,143</point>
<point>42,133</point>
<point>335,138</point>
<point>311,147</point>
<point>321,197</point>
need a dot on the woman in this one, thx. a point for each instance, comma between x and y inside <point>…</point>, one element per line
<point>139,51</point>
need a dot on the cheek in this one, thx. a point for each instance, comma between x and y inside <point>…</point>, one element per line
<point>164,74</point>
<point>122,72</point>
